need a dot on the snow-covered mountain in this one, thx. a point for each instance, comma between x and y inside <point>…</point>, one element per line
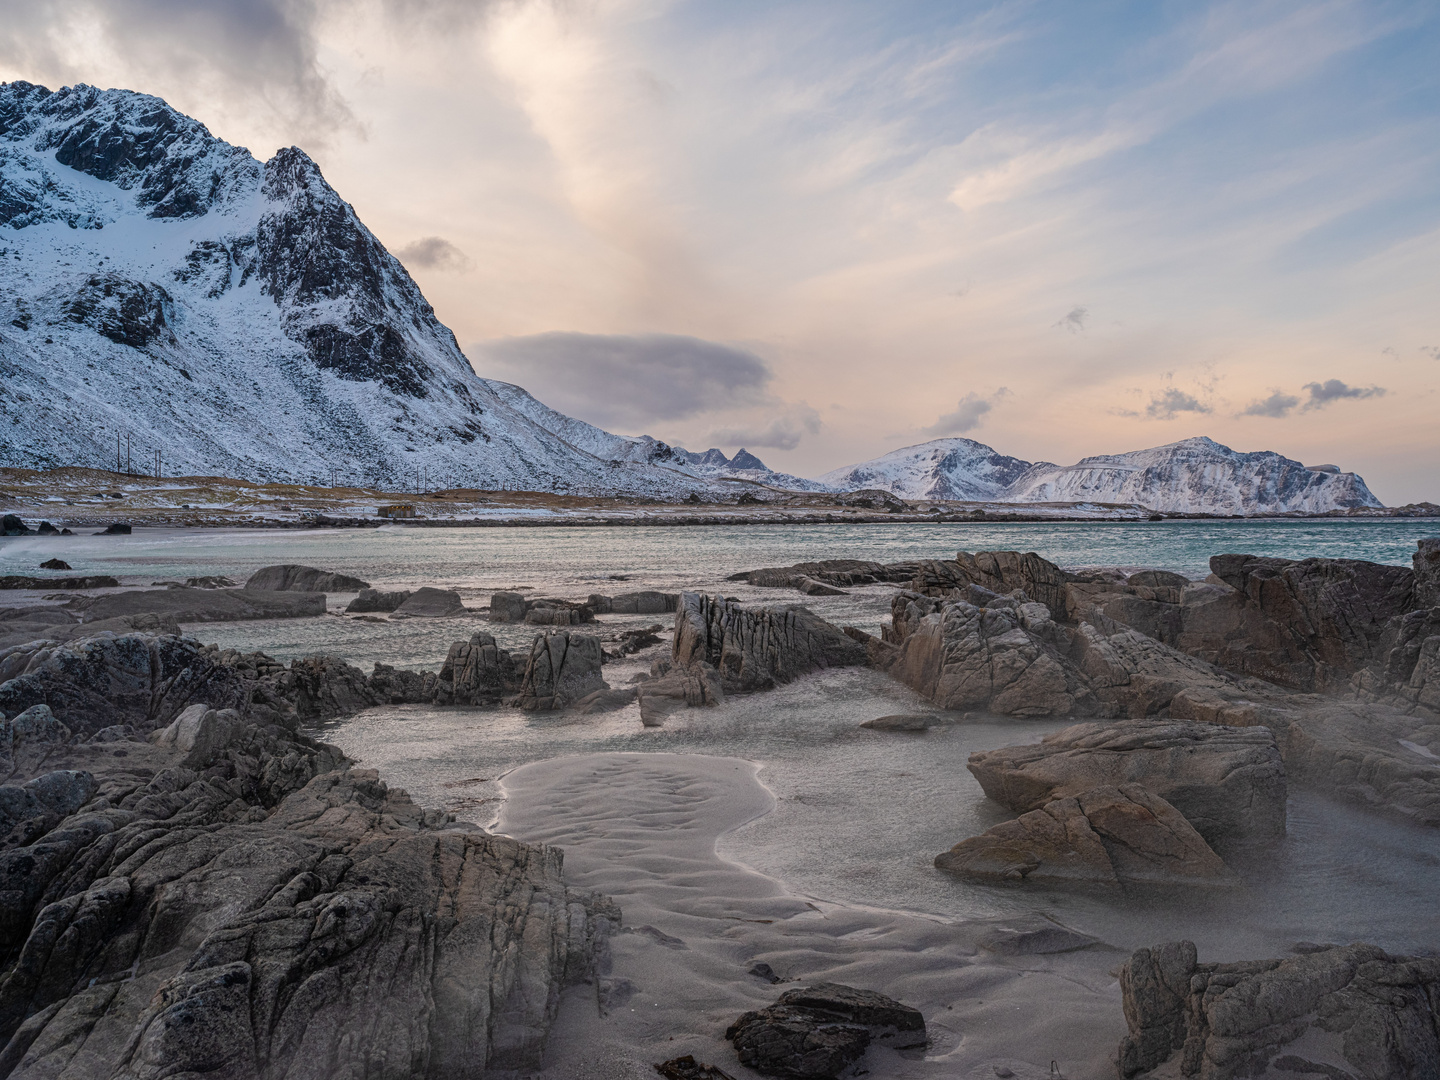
<point>159,284</point>
<point>743,466</point>
<point>1195,475</point>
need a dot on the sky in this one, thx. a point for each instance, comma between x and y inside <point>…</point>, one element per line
<point>827,230</point>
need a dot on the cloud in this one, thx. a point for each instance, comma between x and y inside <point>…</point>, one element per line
<point>1074,321</point>
<point>783,432</point>
<point>628,382</point>
<point>1432,351</point>
<point>1322,394</point>
<point>969,412</point>
<point>434,253</point>
<point>1277,405</point>
<point>1173,401</point>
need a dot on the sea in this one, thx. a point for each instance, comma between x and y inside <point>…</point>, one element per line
<point>858,814</point>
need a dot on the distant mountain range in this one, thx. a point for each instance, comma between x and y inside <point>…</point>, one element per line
<point>162,290</point>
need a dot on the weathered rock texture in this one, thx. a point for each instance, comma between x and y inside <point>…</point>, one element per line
<point>757,648</point>
<point>835,572</point>
<point>430,603</point>
<point>562,668</point>
<point>1343,1011</point>
<point>290,577</point>
<point>371,600</point>
<point>819,1032</point>
<point>238,902</point>
<point>476,672</point>
<point>1108,836</point>
<point>200,605</point>
<point>92,581</point>
<point>1228,782</point>
<point>541,610</point>
<point>1426,563</point>
<point>645,602</point>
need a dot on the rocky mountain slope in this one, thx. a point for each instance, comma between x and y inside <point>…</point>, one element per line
<point>1195,475</point>
<point>161,285</point>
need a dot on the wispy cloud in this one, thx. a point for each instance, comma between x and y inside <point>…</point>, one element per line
<point>434,253</point>
<point>782,432</point>
<point>969,413</point>
<point>1169,403</point>
<point>1331,390</point>
<point>1074,320</point>
<point>1277,406</point>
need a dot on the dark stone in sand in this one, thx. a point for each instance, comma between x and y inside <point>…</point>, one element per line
<point>290,577</point>
<point>55,564</point>
<point>904,722</point>
<point>118,528</point>
<point>431,603</point>
<point>687,1068</point>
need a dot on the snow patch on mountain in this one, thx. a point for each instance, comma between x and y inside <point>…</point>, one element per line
<point>743,466</point>
<point>959,469</point>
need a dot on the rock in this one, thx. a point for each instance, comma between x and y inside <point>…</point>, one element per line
<point>432,603</point>
<point>10,525</point>
<point>810,587</point>
<point>821,1030</point>
<point>55,564</point>
<point>199,733</point>
<point>1228,782</point>
<point>46,529</point>
<point>375,600</point>
<point>92,581</point>
<point>766,972</point>
<point>201,605</point>
<point>633,641</point>
<point>603,701</point>
<point>124,624</point>
<point>687,1068</point>
<point>835,572</point>
<point>670,688</point>
<point>290,577</point>
<point>117,528</point>
<point>34,726</point>
<point>1031,935</point>
<point>29,811</point>
<point>1003,659</point>
<point>389,685</point>
<point>1339,1011</point>
<point>1001,572</point>
<point>1157,579</point>
<point>1107,836</point>
<point>562,668</point>
<point>757,648</point>
<point>904,722</point>
<point>1426,563</point>
<point>634,603</point>
<point>211,581</point>
<point>476,672</point>
<point>547,613</point>
<point>507,607</point>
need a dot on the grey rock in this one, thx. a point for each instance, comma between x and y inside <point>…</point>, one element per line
<point>822,1030</point>
<point>1426,564</point>
<point>810,587</point>
<point>200,605</point>
<point>562,668</point>
<point>11,525</point>
<point>1002,572</point>
<point>670,688</point>
<point>476,672</point>
<point>374,600</point>
<point>836,572</point>
<point>905,722</point>
<point>35,726</point>
<point>199,733</point>
<point>507,607</point>
<point>1228,782</point>
<point>432,603</point>
<point>1031,935</point>
<point>395,686</point>
<point>646,602</point>
<point>1340,1011</point>
<point>93,581</point>
<point>1107,836</point>
<point>603,701</point>
<point>291,577</point>
<point>55,564</point>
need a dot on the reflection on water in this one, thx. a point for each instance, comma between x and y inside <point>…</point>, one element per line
<point>861,814</point>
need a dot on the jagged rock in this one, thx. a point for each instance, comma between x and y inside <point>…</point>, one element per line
<point>375,600</point>
<point>30,810</point>
<point>1228,782</point>
<point>672,687</point>
<point>1001,572</point>
<point>92,581</point>
<point>55,564</point>
<point>10,525</point>
<point>143,680</point>
<point>1106,836</point>
<point>116,528</point>
<point>820,1031</point>
<point>997,658</point>
<point>633,641</point>
<point>810,587</point>
<point>432,603</point>
<point>757,648</point>
<point>1426,563</point>
<point>476,672</point>
<point>201,605</point>
<point>562,668</point>
<point>199,732</point>
<point>323,687</point>
<point>291,577</point>
<point>646,602</point>
<point>507,607</point>
<point>389,685</point>
<point>46,529</point>
<point>35,726</point>
<point>551,613</point>
<point>687,1068</point>
<point>1342,1011</point>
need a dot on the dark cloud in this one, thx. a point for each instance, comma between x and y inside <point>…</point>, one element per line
<point>1432,351</point>
<point>1322,394</point>
<point>628,382</point>
<point>1075,320</point>
<point>969,412</point>
<point>782,432</point>
<point>1277,405</point>
<point>1170,403</point>
<point>434,253</point>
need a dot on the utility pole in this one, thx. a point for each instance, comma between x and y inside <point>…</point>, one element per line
<point>117,451</point>
<point>129,467</point>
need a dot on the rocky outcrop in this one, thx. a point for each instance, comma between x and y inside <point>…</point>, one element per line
<point>819,1032</point>
<point>476,672</point>
<point>290,577</point>
<point>999,572</point>
<point>1228,782</point>
<point>431,603</point>
<point>562,668</point>
<point>835,572</point>
<point>644,602</point>
<point>235,898</point>
<point>1426,564</point>
<point>200,605</point>
<point>1107,836</point>
<point>671,687</point>
<point>91,581</point>
<point>757,648</point>
<point>373,600</point>
<point>1340,1011</point>
<point>541,611</point>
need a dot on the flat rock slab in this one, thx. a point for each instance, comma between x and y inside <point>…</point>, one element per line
<point>1107,836</point>
<point>202,605</point>
<point>906,722</point>
<point>1229,782</point>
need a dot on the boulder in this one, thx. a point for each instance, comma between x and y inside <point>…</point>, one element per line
<point>672,687</point>
<point>686,1067</point>
<point>476,672</point>
<point>35,726</point>
<point>1107,836</point>
<point>1228,782</point>
<point>507,607</point>
<point>757,648</point>
<point>374,600</point>
<point>395,686</point>
<point>46,529</point>
<point>10,525</point>
<point>820,1031</point>
<point>1339,1011</point>
<point>905,722</point>
<point>291,577</point>
<point>117,528</point>
<point>55,564</point>
<point>200,605</point>
<point>1000,572</point>
<point>645,602</point>
<point>562,668</point>
<point>432,603</point>
<point>29,811</point>
<point>1426,563</point>
<point>199,733</point>
<point>550,613</point>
